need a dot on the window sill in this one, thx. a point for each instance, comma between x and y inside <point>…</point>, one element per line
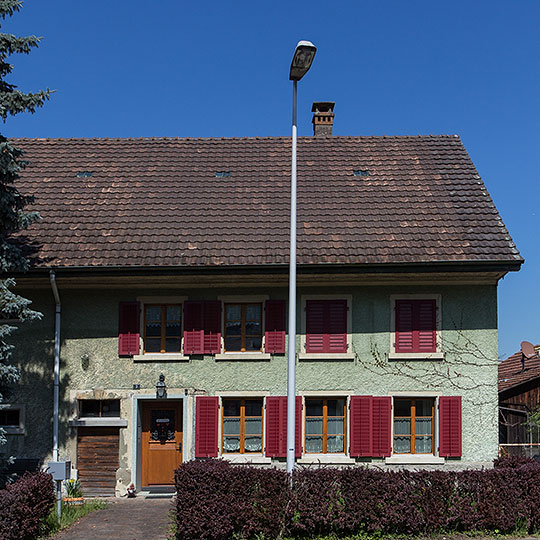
<point>326,356</point>
<point>235,356</point>
<point>416,356</point>
<point>160,357</point>
<point>247,459</point>
<point>338,459</point>
<point>12,430</point>
<point>98,422</point>
<point>414,459</point>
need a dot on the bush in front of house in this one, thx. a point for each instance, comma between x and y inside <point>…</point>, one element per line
<point>220,501</point>
<point>24,506</point>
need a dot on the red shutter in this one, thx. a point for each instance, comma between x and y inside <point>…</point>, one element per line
<point>128,328</point>
<point>450,426</point>
<point>276,426</point>
<point>206,427</point>
<point>426,337</point>
<point>337,326</point>
<point>382,418</point>
<point>315,326</point>
<point>212,326</point>
<point>404,326</point>
<point>274,333</point>
<point>193,328</point>
<point>416,326</point>
<point>361,422</point>
<point>298,428</point>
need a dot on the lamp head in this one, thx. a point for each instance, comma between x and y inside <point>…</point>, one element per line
<point>302,60</point>
<point>161,388</point>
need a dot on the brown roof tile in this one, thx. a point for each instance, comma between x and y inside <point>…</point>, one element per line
<point>511,374</point>
<point>158,202</point>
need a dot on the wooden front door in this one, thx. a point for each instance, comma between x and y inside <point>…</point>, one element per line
<point>161,442</point>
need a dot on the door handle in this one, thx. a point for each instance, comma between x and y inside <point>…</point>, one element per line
<point>180,447</point>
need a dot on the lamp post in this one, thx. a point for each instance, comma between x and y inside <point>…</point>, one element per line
<point>301,62</point>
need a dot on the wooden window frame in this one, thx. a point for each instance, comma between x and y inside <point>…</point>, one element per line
<point>413,417</point>
<point>243,334</point>
<point>325,425</point>
<point>163,323</point>
<point>101,402</point>
<point>242,424</point>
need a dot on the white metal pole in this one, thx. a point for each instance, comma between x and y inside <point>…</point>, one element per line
<point>58,310</point>
<point>291,365</point>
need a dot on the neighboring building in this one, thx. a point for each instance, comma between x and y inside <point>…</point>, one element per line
<point>519,397</point>
<point>171,257</point>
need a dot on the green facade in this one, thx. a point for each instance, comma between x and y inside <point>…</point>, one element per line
<point>91,367</point>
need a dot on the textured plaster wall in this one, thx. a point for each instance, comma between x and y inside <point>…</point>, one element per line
<point>89,361</point>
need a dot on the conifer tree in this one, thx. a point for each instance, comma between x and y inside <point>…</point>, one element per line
<point>13,216</point>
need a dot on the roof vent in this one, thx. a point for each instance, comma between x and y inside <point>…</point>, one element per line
<point>223,174</point>
<point>323,118</point>
<point>361,172</point>
<point>85,174</point>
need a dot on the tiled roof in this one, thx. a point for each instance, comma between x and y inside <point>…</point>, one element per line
<point>158,202</point>
<point>510,373</point>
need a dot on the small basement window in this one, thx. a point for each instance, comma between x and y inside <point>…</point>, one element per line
<point>99,408</point>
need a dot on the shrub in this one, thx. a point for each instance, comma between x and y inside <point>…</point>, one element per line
<point>219,501</point>
<point>24,505</point>
<point>513,462</point>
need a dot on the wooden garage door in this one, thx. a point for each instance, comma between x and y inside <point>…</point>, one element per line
<point>97,460</point>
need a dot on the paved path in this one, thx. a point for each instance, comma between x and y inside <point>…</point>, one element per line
<point>123,519</point>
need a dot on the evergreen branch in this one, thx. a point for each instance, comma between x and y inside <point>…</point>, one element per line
<point>15,102</point>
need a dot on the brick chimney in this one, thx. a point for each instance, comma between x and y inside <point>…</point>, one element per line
<point>323,118</point>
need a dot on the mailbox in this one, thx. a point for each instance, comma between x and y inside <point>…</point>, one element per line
<point>60,470</point>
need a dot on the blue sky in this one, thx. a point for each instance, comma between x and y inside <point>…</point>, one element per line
<point>211,69</point>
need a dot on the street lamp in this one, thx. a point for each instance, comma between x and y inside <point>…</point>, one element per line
<point>301,62</point>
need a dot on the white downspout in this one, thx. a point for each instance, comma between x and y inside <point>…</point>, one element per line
<point>58,311</point>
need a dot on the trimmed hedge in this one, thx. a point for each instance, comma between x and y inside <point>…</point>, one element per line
<point>220,501</point>
<point>24,505</point>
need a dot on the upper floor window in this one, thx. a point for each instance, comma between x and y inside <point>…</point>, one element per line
<point>414,426</point>
<point>162,328</point>
<point>243,327</point>
<point>242,425</point>
<point>415,325</point>
<point>99,408</point>
<point>325,426</point>
<point>326,325</point>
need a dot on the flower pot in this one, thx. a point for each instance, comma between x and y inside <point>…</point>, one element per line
<point>74,501</point>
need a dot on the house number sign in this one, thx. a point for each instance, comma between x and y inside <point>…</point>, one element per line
<point>162,426</point>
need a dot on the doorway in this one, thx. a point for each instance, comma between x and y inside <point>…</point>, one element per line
<point>161,442</point>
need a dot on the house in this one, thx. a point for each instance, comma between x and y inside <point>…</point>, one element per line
<point>519,400</point>
<point>170,257</point>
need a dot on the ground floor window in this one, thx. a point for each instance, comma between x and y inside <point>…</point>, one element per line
<point>414,425</point>
<point>325,425</point>
<point>242,425</point>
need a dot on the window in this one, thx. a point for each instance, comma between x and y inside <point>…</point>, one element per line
<point>326,326</point>
<point>242,426</point>
<point>415,325</point>
<point>10,418</point>
<point>325,426</point>
<point>162,328</point>
<point>243,327</point>
<point>99,408</point>
<point>414,426</point>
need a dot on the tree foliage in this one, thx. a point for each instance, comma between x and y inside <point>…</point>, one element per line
<point>13,216</point>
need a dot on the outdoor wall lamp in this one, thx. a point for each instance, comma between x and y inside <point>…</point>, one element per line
<point>161,388</point>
